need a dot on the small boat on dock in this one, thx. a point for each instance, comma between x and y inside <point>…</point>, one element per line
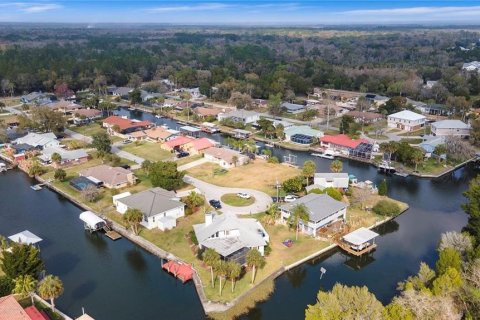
<point>386,167</point>
<point>270,145</point>
<point>401,174</point>
<point>180,270</point>
<point>37,187</point>
<point>158,116</point>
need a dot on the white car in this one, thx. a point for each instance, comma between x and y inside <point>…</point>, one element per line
<point>243,195</point>
<point>290,198</point>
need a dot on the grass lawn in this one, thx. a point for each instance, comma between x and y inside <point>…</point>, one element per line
<point>418,132</point>
<point>10,101</point>
<point>182,161</point>
<point>377,137</point>
<point>148,150</point>
<point>88,129</point>
<point>258,175</point>
<point>233,200</point>
<point>411,140</point>
<point>430,166</point>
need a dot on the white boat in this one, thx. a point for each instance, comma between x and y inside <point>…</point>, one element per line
<point>164,126</point>
<point>158,116</point>
<point>386,167</point>
<point>323,155</point>
<point>270,145</point>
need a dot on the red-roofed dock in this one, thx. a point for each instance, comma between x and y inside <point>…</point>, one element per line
<point>180,270</point>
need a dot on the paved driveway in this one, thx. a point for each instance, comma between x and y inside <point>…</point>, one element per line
<point>262,200</point>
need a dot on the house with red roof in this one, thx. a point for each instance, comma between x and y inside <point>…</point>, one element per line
<point>197,146</point>
<point>121,125</point>
<point>176,143</point>
<point>10,309</point>
<point>340,143</point>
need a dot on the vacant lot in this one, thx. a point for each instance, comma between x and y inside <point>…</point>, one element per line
<point>258,175</point>
<point>148,150</point>
<point>89,129</point>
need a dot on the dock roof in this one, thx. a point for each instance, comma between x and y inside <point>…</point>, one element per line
<point>25,237</point>
<point>360,236</point>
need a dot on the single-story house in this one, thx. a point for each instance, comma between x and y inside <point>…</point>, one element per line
<point>69,157</point>
<point>302,134</point>
<point>204,112</point>
<point>125,125</point>
<point>10,309</point>
<point>83,116</point>
<point>241,115</point>
<point>111,177</point>
<point>331,180</point>
<point>230,236</point>
<point>450,128</point>
<point>160,208</point>
<point>39,98</point>
<point>293,108</point>
<point>176,143</point>
<point>65,106</point>
<point>435,109</point>
<point>416,104</point>
<point>406,120</point>
<point>197,146</point>
<point>159,134</point>
<point>322,211</point>
<point>121,92</point>
<point>365,117</point>
<point>376,99</point>
<point>430,144</point>
<point>39,140</point>
<point>340,143</point>
<point>225,157</point>
<point>471,66</point>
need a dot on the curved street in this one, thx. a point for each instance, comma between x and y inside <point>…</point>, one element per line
<point>211,191</point>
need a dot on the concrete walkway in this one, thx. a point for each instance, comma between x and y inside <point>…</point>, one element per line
<point>211,191</point>
<point>192,164</point>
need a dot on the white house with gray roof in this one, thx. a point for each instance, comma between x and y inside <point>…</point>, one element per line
<point>293,108</point>
<point>160,208</point>
<point>230,236</point>
<point>240,115</point>
<point>39,140</point>
<point>406,120</point>
<point>331,180</point>
<point>450,128</point>
<point>322,211</point>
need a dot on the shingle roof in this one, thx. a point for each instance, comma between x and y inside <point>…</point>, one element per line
<point>124,124</point>
<point>202,144</point>
<point>10,309</point>
<point>107,174</point>
<point>153,201</point>
<point>450,124</point>
<point>179,141</point>
<point>319,206</point>
<point>251,233</point>
<point>407,115</point>
<point>37,139</point>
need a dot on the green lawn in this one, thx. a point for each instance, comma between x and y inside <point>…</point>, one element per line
<point>233,200</point>
<point>148,150</point>
<point>182,161</point>
<point>412,140</point>
<point>89,129</point>
<point>418,132</point>
<point>377,137</point>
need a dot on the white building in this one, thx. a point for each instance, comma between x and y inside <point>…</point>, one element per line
<point>160,208</point>
<point>39,140</point>
<point>406,120</point>
<point>450,128</point>
<point>230,236</point>
<point>322,211</point>
<point>331,180</point>
<point>241,115</point>
<point>225,158</point>
<point>471,66</point>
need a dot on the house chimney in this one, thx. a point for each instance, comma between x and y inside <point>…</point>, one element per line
<point>209,218</point>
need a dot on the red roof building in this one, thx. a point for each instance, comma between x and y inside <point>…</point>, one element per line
<point>177,142</point>
<point>125,125</point>
<point>198,145</point>
<point>340,141</point>
<point>10,309</point>
<point>35,314</point>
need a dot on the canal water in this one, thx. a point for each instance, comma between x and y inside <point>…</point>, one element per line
<point>118,280</point>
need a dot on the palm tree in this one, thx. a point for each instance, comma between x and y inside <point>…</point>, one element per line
<point>211,258</point>
<point>417,157</point>
<point>25,286</point>
<point>3,243</point>
<point>309,168</point>
<point>235,160</point>
<point>272,214</point>
<point>389,147</point>
<point>132,218</point>
<point>255,260</point>
<point>336,166</point>
<point>234,269</point>
<point>51,287</point>
<point>298,213</point>
<point>56,157</point>
<point>221,269</point>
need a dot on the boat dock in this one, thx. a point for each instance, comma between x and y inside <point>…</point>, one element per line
<point>358,242</point>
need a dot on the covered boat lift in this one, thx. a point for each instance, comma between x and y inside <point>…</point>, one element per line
<point>25,237</point>
<point>359,241</point>
<point>91,221</point>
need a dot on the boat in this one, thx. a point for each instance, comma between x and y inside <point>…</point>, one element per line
<point>386,167</point>
<point>323,155</point>
<point>158,116</point>
<point>401,174</point>
<point>36,187</point>
<point>131,109</point>
<point>270,145</point>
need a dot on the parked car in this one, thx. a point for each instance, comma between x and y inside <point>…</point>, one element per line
<point>126,141</point>
<point>290,198</point>
<point>183,154</point>
<point>244,195</point>
<point>215,204</point>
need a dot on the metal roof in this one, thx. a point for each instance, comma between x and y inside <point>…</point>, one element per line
<point>450,124</point>
<point>319,206</point>
<point>25,237</point>
<point>360,236</point>
<point>407,115</point>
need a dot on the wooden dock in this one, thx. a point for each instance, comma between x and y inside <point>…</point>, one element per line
<point>351,251</point>
<point>114,235</point>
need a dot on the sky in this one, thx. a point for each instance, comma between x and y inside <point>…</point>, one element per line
<point>254,12</point>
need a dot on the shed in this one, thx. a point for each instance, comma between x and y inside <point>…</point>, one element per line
<point>25,237</point>
<point>360,238</point>
<point>91,221</point>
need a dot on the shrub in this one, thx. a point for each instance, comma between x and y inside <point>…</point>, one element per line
<point>383,188</point>
<point>316,191</point>
<point>273,159</point>
<point>60,175</point>
<point>193,237</point>
<point>6,286</point>
<point>386,208</point>
<point>332,192</point>
<point>90,194</point>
